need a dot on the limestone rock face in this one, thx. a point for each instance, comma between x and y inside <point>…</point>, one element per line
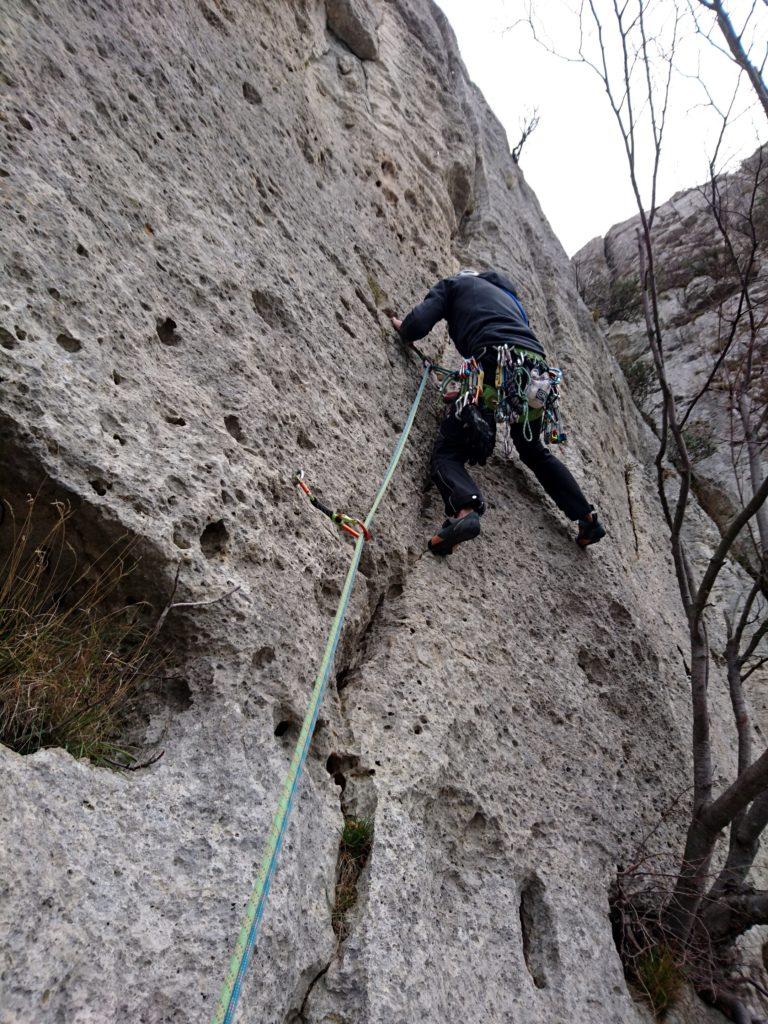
<point>354,22</point>
<point>699,293</point>
<point>209,207</point>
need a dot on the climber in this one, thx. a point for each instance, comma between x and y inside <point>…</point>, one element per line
<point>484,314</point>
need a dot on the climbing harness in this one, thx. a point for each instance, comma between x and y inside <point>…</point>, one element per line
<point>347,523</point>
<point>525,389</point>
<point>246,940</point>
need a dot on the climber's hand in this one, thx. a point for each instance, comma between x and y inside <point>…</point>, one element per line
<point>397,324</point>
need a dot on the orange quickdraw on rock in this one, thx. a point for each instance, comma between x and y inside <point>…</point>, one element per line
<point>347,523</point>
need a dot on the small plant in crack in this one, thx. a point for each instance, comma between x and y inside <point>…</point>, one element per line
<point>659,977</point>
<point>356,839</point>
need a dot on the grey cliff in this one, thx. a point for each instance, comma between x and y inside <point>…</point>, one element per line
<point>209,206</point>
<point>699,294</point>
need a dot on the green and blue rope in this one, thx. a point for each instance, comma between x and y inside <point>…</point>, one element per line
<point>226,1006</point>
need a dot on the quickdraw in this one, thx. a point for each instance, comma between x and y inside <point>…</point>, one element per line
<point>347,523</point>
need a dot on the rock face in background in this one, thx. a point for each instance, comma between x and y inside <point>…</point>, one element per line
<point>208,205</point>
<point>699,292</point>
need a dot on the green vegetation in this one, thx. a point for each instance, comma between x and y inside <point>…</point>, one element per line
<point>659,979</point>
<point>699,440</point>
<point>378,294</point>
<point>357,837</point>
<point>354,848</point>
<point>70,662</point>
<point>641,378</point>
<point>624,299</point>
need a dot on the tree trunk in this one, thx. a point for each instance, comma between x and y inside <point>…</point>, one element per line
<point>756,473</point>
<point>700,842</point>
<point>739,54</point>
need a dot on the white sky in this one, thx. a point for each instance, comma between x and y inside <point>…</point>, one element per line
<point>575,161</point>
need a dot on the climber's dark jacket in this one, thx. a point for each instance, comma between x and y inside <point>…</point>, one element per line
<point>480,312</point>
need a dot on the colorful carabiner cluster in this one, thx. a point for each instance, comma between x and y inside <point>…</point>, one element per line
<point>464,386</point>
<point>552,425</point>
<point>524,383</point>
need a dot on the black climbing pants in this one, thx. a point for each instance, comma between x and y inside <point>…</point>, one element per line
<point>452,450</point>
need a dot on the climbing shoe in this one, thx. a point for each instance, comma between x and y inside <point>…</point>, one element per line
<point>453,532</point>
<point>591,530</point>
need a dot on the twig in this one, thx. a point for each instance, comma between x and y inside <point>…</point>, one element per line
<point>189,604</point>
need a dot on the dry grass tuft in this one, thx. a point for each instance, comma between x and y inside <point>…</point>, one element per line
<point>70,662</point>
<point>660,979</point>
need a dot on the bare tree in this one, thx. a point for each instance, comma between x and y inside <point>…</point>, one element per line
<point>631,47</point>
<point>528,125</point>
<point>735,41</point>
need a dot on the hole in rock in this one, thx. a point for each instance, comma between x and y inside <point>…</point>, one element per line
<point>166,331</point>
<point>334,768</point>
<point>117,378</point>
<point>174,420</point>
<point>232,423</point>
<point>68,343</point>
<point>81,250</point>
<point>287,726</point>
<point>342,678</point>
<point>538,933</point>
<point>100,486</point>
<point>263,657</point>
<point>7,340</point>
<point>305,441</point>
<point>180,537</point>
<point>270,307</point>
<point>214,538</point>
<point>251,94</point>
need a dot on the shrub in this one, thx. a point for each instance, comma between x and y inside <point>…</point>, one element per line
<point>699,440</point>
<point>624,299</point>
<point>641,378</point>
<point>70,661</point>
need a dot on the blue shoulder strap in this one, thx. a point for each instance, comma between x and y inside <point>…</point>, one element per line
<point>517,303</point>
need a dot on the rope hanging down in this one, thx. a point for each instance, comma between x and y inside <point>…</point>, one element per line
<point>246,940</point>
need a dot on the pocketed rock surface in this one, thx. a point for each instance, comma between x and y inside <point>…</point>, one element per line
<point>209,207</point>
